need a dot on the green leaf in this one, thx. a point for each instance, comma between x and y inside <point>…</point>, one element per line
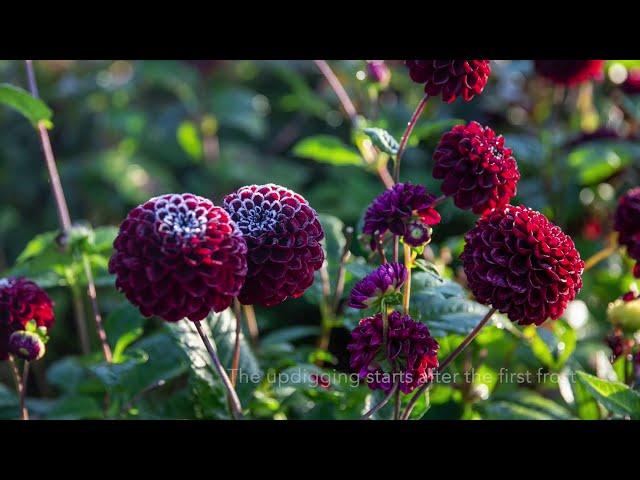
<point>220,328</point>
<point>327,149</point>
<point>35,110</point>
<point>75,407</point>
<point>614,396</point>
<point>188,137</point>
<point>383,140</point>
<point>123,326</point>
<point>596,163</point>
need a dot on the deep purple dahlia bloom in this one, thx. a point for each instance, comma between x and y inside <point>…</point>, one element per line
<point>398,210</point>
<point>450,78</point>
<point>26,345</point>
<point>570,72</point>
<point>179,256</point>
<point>383,282</point>
<point>627,222</point>
<point>410,347</point>
<point>283,235</point>
<point>523,265</point>
<point>21,301</point>
<point>478,171</point>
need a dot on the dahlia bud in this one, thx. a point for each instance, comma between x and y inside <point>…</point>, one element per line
<point>450,78</point>
<point>179,256</point>
<point>570,72</point>
<point>379,72</point>
<point>625,313</point>
<point>523,265</point>
<point>478,171</point>
<point>410,347</point>
<point>22,302</point>
<point>283,235</point>
<point>383,284</point>
<point>405,210</point>
<point>627,222</point>
<point>26,345</point>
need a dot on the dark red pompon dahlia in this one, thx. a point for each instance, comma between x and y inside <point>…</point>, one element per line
<point>570,72</point>
<point>21,301</point>
<point>450,78</point>
<point>283,235</point>
<point>523,265</point>
<point>406,210</point>
<point>479,172</point>
<point>627,222</point>
<point>179,256</point>
<point>410,346</point>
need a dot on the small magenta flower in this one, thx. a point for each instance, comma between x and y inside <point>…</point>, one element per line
<point>450,78</point>
<point>410,348</point>
<point>26,345</point>
<point>384,283</point>
<point>379,72</point>
<point>406,210</point>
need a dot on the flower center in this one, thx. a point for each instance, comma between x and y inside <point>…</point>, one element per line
<point>257,220</point>
<point>182,223</point>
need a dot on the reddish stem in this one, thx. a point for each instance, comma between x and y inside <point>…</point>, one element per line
<point>407,134</point>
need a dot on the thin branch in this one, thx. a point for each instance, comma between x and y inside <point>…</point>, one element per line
<point>20,384</point>
<point>338,89</point>
<point>235,362</point>
<point>344,258</point>
<point>407,134</point>
<point>236,408</point>
<point>384,401</point>
<point>447,361</point>
<point>252,323</point>
<point>63,211</point>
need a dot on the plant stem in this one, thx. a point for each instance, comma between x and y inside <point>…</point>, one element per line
<point>396,408</point>
<point>91,292</point>
<point>384,401</point>
<point>234,401</point>
<point>338,89</point>
<point>406,134</point>
<point>235,363</point>
<point>20,387</point>
<point>252,323</point>
<point>79,314</point>
<point>347,105</point>
<point>600,256</point>
<point>344,258</point>
<point>385,326</point>
<point>447,361</point>
<point>408,263</point>
<point>396,248</point>
<point>63,210</point>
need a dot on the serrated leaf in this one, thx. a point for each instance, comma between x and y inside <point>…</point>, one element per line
<point>33,109</point>
<point>383,140</point>
<point>327,149</point>
<point>614,396</point>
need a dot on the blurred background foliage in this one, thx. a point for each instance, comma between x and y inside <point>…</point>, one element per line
<point>128,130</point>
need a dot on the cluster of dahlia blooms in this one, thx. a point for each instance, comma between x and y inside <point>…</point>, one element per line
<point>180,256</point>
<point>515,259</point>
<point>405,210</point>
<point>570,72</point>
<point>26,315</point>
<point>627,224</point>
